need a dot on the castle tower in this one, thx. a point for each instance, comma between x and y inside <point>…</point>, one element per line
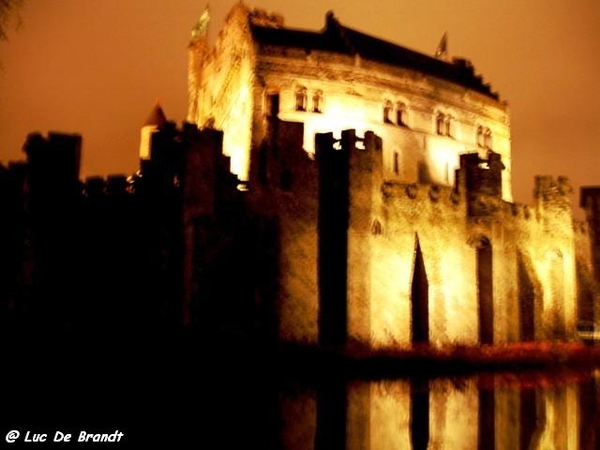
<point>198,49</point>
<point>155,120</point>
<point>590,202</point>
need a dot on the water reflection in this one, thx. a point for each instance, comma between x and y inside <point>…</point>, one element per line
<point>502,411</point>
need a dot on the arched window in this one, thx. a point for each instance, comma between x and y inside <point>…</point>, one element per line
<point>487,140</point>
<point>480,138</point>
<point>317,101</point>
<point>440,124</point>
<point>448,125</point>
<point>272,105</point>
<point>387,111</point>
<point>401,114</point>
<point>376,228</point>
<point>300,98</point>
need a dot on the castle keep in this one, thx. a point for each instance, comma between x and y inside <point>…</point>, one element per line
<point>401,229</point>
<point>328,187</point>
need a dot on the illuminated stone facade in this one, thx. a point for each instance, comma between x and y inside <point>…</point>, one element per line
<point>401,231</point>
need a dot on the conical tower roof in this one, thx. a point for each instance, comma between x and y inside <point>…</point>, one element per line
<point>157,117</point>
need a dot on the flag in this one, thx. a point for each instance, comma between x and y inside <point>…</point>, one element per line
<point>201,26</point>
<point>442,48</point>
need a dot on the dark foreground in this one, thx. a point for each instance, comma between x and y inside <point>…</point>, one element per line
<point>179,393</point>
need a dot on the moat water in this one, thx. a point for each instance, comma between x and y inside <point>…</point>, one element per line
<point>521,410</point>
<point>511,410</point>
<point>233,403</point>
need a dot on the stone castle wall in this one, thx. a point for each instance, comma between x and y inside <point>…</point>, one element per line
<point>221,81</point>
<point>354,95</point>
<point>534,278</point>
<point>232,85</point>
<point>536,286</point>
<point>407,235</point>
<point>321,249</point>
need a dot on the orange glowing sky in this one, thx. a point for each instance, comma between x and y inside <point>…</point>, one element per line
<point>95,67</point>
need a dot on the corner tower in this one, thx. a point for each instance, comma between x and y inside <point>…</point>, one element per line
<point>221,84</point>
<point>156,119</point>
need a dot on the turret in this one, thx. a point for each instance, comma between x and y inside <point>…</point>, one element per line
<point>590,202</point>
<point>553,203</point>
<point>482,180</point>
<point>154,122</point>
<point>198,49</point>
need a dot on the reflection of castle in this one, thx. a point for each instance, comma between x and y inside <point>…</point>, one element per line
<point>400,230</point>
<point>530,411</point>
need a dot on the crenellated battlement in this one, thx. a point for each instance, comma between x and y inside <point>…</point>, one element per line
<point>549,189</point>
<point>129,241</point>
<point>112,185</point>
<point>322,232</point>
<point>368,225</point>
<point>434,193</point>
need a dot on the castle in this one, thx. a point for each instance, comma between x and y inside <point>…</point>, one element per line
<point>402,229</point>
<point>358,192</point>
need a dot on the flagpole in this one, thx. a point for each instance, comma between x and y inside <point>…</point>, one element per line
<point>208,23</point>
<point>442,49</point>
<point>201,27</point>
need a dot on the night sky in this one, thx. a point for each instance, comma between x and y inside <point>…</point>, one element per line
<point>96,67</point>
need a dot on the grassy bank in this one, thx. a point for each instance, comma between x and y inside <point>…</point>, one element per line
<point>360,362</point>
